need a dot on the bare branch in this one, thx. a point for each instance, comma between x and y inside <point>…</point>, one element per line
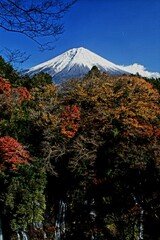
<point>15,57</point>
<point>34,19</point>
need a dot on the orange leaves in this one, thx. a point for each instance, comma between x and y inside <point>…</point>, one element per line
<point>12,153</point>
<point>135,103</point>
<point>23,94</point>
<point>70,121</point>
<point>5,86</point>
<point>9,92</point>
<point>127,103</point>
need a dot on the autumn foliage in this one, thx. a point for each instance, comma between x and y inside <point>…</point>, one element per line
<point>9,91</point>
<point>70,120</point>
<point>23,94</point>
<point>96,140</point>
<point>5,86</point>
<point>12,153</point>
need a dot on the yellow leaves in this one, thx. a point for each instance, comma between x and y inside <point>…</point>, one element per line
<point>44,99</point>
<point>44,93</point>
<point>129,101</point>
<point>135,89</point>
<point>47,118</point>
<point>50,90</point>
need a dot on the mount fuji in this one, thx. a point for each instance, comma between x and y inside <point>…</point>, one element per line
<point>77,62</point>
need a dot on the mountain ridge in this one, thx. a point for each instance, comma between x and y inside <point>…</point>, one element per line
<point>76,62</point>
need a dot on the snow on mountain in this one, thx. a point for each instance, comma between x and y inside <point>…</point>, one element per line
<point>77,62</point>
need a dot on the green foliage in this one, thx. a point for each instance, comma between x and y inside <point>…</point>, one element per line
<point>23,196</point>
<point>7,71</point>
<point>94,72</point>
<point>38,80</point>
<point>155,82</point>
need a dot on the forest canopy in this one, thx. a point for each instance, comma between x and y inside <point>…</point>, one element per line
<point>88,150</point>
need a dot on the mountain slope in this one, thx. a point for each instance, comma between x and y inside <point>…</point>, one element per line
<point>77,62</point>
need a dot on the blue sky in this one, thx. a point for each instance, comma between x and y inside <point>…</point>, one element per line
<point>122,31</point>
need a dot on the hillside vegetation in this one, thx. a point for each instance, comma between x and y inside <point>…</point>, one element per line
<point>85,155</point>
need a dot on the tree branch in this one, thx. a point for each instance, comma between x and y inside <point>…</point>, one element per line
<point>35,20</point>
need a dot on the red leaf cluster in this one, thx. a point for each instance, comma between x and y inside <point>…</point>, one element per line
<point>157,132</point>
<point>135,209</point>
<point>23,93</point>
<point>12,153</point>
<point>70,120</point>
<point>5,86</point>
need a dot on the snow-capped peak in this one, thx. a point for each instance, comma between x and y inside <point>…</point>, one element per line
<point>76,62</point>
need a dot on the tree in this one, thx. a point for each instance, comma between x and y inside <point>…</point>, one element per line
<point>7,71</point>
<point>5,86</point>
<point>12,153</point>
<point>14,109</point>
<point>95,147</point>
<point>69,121</point>
<point>34,19</point>
<point>93,72</point>
<point>22,199</point>
<point>113,159</point>
<point>39,79</point>
<point>15,57</point>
